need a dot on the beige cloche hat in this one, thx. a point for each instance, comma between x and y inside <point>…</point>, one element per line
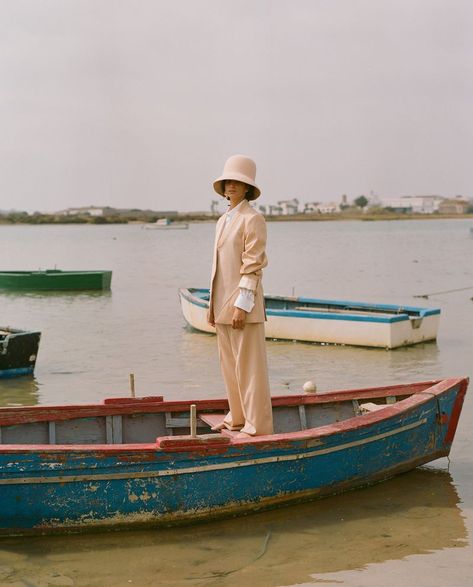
<point>240,168</point>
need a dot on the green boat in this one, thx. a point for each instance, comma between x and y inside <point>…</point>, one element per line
<point>55,279</point>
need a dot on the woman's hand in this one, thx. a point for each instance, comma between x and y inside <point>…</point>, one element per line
<point>238,319</point>
<point>210,318</point>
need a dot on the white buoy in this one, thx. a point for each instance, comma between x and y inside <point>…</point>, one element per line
<point>309,387</point>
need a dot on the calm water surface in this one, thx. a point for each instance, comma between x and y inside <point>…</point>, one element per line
<point>414,528</point>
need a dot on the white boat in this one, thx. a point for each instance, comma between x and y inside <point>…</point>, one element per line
<point>167,223</point>
<point>329,321</point>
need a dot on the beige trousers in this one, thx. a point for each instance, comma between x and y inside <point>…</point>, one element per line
<point>245,372</point>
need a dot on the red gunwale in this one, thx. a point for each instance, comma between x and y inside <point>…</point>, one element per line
<point>116,406</point>
<point>421,393</point>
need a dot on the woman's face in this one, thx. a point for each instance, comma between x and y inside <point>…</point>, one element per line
<point>235,190</point>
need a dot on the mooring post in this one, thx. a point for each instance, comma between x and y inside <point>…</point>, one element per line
<point>132,384</point>
<point>193,421</point>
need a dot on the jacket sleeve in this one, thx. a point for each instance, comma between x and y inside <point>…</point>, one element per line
<point>253,258</point>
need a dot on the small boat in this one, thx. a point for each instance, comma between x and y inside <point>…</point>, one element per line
<point>132,461</point>
<point>18,351</point>
<point>167,223</point>
<point>55,279</point>
<point>329,321</point>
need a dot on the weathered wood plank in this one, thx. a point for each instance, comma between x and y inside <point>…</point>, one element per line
<point>52,432</point>
<point>302,416</point>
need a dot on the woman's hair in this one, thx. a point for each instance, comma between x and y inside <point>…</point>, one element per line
<point>249,194</point>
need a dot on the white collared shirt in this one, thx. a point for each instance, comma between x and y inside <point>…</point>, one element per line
<point>229,214</point>
<point>246,298</point>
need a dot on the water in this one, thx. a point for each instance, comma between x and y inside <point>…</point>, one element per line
<point>91,342</point>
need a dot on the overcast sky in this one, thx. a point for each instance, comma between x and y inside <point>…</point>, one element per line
<point>137,103</point>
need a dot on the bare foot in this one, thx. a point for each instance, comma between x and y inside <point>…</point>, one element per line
<point>243,435</point>
<point>218,427</point>
<point>225,426</point>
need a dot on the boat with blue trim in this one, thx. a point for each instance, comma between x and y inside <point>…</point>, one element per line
<point>18,351</point>
<point>133,461</point>
<point>329,321</point>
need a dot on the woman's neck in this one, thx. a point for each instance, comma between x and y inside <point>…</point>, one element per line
<point>234,204</point>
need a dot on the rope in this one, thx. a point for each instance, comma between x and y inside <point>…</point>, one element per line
<point>438,293</point>
<point>217,574</point>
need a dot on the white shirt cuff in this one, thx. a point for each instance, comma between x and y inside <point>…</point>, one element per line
<point>248,282</point>
<point>245,300</point>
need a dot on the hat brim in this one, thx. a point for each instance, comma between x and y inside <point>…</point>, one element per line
<point>218,184</point>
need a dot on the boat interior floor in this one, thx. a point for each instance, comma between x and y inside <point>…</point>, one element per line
<point>300,417</point>
<point>84,427</point>
<point>214,420</point>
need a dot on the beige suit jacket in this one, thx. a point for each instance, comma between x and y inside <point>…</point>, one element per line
<point>238,260</point>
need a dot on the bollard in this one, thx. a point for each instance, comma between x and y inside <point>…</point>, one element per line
<point>132,384</point>
<point>193,421</point>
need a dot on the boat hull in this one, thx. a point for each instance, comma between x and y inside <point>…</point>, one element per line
<point>172,226</point>
<point>357,329</point>
<point>55,279</point>
<point>58,488</point>
<point>18,352</point>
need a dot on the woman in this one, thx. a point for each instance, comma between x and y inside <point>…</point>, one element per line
<point>237,302</point>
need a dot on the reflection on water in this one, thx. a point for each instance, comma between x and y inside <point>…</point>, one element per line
<point>291,364</point>
<point>19,391</point>
<point>412,514</point>
<point>51,294</point>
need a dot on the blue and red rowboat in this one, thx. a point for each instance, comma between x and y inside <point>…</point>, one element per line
<point>128,462</point>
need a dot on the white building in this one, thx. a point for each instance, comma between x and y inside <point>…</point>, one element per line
<point>415,204</point>
<point>274,210</point>
<point>311,207</point>
<point>328,208</point>
<point>321,207</point>
<point>289,206</point>
<point>89,211</point>
<point>457,205</point>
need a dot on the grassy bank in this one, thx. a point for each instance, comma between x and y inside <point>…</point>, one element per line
<point>38,219</point>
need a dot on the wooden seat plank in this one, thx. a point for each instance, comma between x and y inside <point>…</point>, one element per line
<point>371,407</point>
<point>212,419</point>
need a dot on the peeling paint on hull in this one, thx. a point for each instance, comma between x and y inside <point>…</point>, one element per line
<point>232,509</point>
<point>91,489</point>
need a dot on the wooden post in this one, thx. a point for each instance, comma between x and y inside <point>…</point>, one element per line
<point>193,421</point>
<point>132,384</point>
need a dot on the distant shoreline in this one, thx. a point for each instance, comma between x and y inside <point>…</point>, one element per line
<point>41,219</point>
<point>365,217</point>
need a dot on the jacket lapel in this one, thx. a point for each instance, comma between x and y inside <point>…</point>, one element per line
<point>220,229</point>
<point>225,231</point>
